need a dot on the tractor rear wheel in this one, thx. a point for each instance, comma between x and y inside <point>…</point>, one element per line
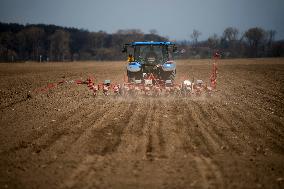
<point>170,75</point>
<point>132,76</point>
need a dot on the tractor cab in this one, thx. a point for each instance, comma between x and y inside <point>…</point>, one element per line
<point>145,58</point>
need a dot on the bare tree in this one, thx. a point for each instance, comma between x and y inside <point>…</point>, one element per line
<point>254,36</point>
<point>270,36</point>
<point>230,34</point>
<point>195,35</point>
<point>230,41</point>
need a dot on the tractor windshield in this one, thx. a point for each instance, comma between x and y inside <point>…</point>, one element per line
<point>151,54</point>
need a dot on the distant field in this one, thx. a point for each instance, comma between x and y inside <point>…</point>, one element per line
<point>67,138</point>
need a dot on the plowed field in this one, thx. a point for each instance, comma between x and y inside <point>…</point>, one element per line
<point>67,138</point>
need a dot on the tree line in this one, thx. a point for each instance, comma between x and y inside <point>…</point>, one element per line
<point>255,42</point>
<point>54,43</point>
<point>40,42</point>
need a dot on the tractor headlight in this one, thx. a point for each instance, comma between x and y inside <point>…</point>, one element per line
<point>134,67</point>
<point>169,66</point>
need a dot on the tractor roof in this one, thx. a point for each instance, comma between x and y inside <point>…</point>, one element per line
<point>151,43</point>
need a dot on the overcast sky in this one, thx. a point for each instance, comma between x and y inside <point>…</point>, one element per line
<point>173,18</point>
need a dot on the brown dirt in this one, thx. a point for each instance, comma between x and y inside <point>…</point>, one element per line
<point>66,138</point>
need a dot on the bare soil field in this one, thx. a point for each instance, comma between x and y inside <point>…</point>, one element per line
<point>67,138</point>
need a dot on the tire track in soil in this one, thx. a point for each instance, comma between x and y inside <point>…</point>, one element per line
<point>144,144</point>
<point>144,155</point>
<point>179,136</point>
<point>58,134</point>
<point>68,135</point>
<point>104,130</point>
<point>210,173</point>
<point>152,139</point>
<point>209,138</point>
<point>133,132</point>
<point>161,132</point>
<point>187,131</point>
<point>160,166</point>
<point>141,129</point>
<point>153,147</point>
<point>102,139</point>
<point>181,128</point>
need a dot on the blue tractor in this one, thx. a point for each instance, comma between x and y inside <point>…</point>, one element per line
<point>150,59</point>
